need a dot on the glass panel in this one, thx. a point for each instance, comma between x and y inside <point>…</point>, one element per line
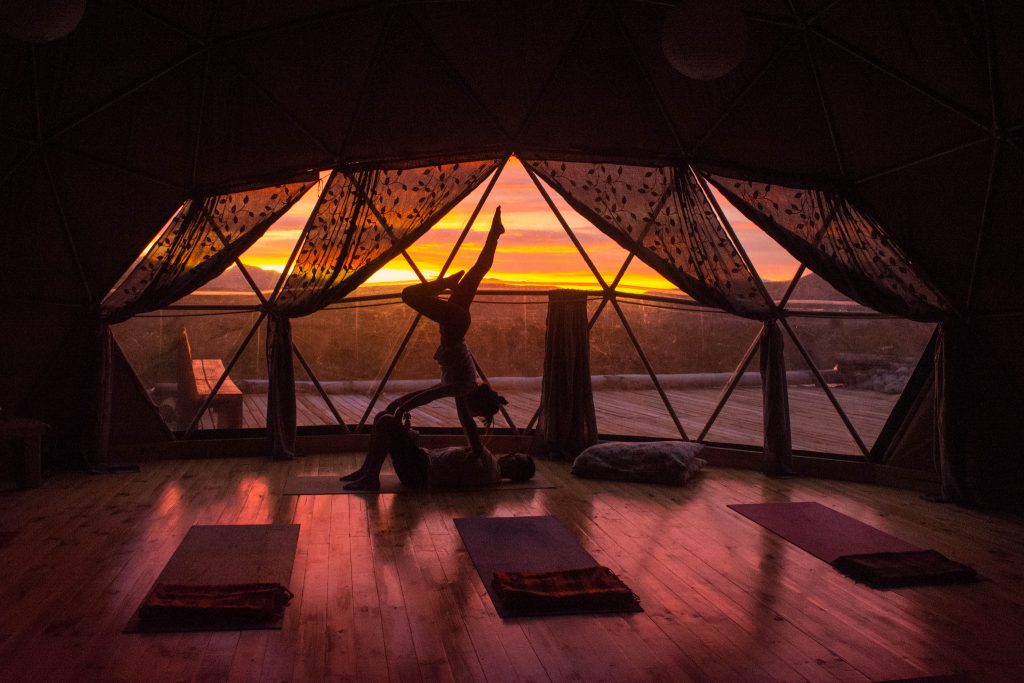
<point>693,351</point>
<point>310,407</point>
<point>349,347</point>
<point>742,418</point>
<point>153,345</point>
<point>867,363</point>
<point>815,423</point>
<point>814,294</point>
<point>642,279</point>
<point>507,340</point>
<point>625,398</point>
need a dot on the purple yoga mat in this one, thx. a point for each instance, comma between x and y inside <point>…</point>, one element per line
<point>523,544</point>
<point>822,531</point>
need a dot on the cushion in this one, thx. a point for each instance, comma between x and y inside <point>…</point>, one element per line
<point>651,462</point>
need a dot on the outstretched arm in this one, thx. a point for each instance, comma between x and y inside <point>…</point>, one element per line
<point>469,427</point>
<point>464,292</point>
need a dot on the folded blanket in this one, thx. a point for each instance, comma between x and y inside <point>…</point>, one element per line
<point>593,588</point>
<point>246,603</point>
<point>908,568</point>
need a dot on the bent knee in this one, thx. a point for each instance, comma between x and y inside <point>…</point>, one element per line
<point>385,420</point>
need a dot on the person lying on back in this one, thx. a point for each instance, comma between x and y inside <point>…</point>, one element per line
<point>419,468</point>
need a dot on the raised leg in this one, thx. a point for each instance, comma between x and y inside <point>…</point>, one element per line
<point>465,292</point>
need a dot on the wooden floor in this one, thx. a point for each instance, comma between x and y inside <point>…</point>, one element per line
<point>816,424</point>
<point>385,591</point>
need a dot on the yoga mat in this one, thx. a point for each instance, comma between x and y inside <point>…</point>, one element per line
<point>822,531</point>
<point>301,485</point>
<point>229,554</point>
<point>522,544</point>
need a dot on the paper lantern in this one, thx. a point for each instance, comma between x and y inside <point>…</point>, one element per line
<point>704,39</point>
<point>40,21</point>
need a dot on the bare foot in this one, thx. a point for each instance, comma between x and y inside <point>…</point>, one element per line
<point>366,483</point>
<point>352,476</point>
<point>496,227</point>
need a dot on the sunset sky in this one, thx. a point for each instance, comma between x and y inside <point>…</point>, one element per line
<point>534,249</point>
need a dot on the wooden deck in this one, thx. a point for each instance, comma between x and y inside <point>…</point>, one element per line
<point>384,590</point>
<point>816,425</point>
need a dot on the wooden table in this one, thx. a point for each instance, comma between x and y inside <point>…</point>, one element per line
<point>27,436</point>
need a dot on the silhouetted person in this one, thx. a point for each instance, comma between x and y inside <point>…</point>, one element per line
<point>452,467</point>
<point>459,378</point>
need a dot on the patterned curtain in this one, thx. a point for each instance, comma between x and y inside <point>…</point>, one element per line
<point>363,220</point>
<point>853,254</point>
<point>663,215</point>
<point>366,218</point>
<point>566,421</point>
<point>838,242</point>
<point>200,242</point>
<point>205,237</point>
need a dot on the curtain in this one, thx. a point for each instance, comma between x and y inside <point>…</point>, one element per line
<point>363,220</point>
<point>203,238</point>
<point>853,254</point>
<point>566,422</point>
<point>950,379</point>
<point>778,437</point>
<point>664,216</point>
<point>200,242</point>
<point>838,242</point>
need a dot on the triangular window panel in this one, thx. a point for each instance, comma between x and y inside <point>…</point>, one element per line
<point>179,376</point>
<point>741,420</point>
<point>693,352</point>
<point>507,340</point>
<point>640,278</point>
<point>626,400</point>
<point>815,294</point>
<point>350,365</point>
<point>867,363</point>
<point>814,421</point>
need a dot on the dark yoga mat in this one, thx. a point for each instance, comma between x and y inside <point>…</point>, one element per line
<point>855,549</point>
<point>523,544</point>
<point>228,554</point>
<point>822,531</point>
<point>318,485</point>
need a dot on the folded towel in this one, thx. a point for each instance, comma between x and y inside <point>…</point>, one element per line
<point>593,588</point>
<point>908,568</point>
<point>246,603</point>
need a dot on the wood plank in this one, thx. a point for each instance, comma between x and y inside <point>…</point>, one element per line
<point>385,590</point>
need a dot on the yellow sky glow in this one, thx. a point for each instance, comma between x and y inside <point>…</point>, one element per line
<point>534,249</point>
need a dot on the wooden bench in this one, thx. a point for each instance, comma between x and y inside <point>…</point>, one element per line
<point>196,379</point>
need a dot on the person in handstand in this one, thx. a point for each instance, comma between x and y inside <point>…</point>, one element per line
<point>463,466</point>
